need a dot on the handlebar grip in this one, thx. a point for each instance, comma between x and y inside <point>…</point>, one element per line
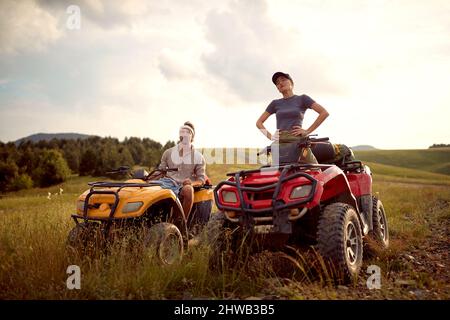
<point>320,140</point>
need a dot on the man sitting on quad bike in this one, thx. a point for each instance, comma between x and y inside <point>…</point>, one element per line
<point>191,168</point>
<point>152,207</point>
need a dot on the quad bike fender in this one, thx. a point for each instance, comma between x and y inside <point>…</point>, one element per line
<point>203,195</point>
<point>176,215</point>
<point>178,219</point>
<point>360,183</point>
<point>335,186</point>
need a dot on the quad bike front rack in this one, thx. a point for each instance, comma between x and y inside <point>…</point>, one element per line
<point>276,205</point>
<point>115,193</point>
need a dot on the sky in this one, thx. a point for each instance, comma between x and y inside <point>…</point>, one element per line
<point>142,68</point>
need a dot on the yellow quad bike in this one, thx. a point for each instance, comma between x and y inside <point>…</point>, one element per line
<point>110,210</point>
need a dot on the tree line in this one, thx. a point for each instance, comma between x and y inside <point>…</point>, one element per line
<point>439,145</point>
<point>45,163</point>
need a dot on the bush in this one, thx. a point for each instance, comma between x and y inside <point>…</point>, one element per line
<point>52,169</point>
<point>22,181</point>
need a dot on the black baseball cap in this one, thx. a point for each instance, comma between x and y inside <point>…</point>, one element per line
<point>279,74</point>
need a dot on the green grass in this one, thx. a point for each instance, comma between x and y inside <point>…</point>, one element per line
<point>33,259</point>
<point>382,172</point>
<point>433,160</point>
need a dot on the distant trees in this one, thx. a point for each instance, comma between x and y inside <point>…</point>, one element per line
<point>45,163</point>
<point>88,163</point>
<point>440,145</point>
<point>8,173</point>
<point>11,179</point>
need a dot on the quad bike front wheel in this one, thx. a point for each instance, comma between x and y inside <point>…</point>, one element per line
<point>215,237</point>
<point>339,240</point>
<point>85,238</point>
<point>164,241</point>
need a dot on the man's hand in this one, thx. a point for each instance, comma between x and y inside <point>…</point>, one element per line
<point>187,182</point>
<point>298,131</point>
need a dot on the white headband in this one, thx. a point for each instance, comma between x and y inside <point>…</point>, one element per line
<point>188,128</point>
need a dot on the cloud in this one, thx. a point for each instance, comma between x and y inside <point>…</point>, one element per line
<point>241,56</point>
<point>144,68</point>
<point>25,26</point>
<point>111,14</point>
<point>177,65</point>
<point>249,47</point>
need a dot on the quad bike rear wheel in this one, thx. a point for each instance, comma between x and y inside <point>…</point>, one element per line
<point>164,241</point>
<point>379,235</point>
<point>380,226</point>
<point>339,240</point>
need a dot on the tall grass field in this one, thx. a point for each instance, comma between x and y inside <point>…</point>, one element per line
<point>414,186</point>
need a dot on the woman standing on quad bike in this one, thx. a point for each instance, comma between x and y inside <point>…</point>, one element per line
<point>290,111</point>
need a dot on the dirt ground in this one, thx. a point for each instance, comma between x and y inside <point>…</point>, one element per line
<point>417,272</point>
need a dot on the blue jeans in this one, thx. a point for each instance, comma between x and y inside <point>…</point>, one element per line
<point>167,183</point>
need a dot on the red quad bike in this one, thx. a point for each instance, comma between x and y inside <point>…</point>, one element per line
<point>329,206</point>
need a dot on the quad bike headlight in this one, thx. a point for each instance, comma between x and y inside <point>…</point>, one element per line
<point>301,191</point>
<point>80,205</point>
<point>229,196</point>
<point>132,206</point>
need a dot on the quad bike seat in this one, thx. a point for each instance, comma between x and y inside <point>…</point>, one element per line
<point>324,152</point>
<point>328,153</point>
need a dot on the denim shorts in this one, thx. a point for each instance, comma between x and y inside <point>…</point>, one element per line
<point>167,183</point>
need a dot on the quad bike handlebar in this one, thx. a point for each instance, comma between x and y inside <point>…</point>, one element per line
<point>127,169</point>
<point>307,142</point>
<point>159,173</point>
<point>121,169</point>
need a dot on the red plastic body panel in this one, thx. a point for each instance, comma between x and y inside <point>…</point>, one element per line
<point>331,183</point>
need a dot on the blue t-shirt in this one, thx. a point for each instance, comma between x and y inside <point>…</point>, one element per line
<point>290,111</point>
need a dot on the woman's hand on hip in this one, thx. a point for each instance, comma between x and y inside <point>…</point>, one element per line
<point>298,131</point>
<point>276,136</point>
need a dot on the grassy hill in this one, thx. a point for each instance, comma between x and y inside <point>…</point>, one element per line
<point>363,147</point>
<point>435,160</point>
<point>383,172</point>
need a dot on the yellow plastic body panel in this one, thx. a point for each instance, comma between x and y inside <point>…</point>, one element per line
<point>203,195</point>
<point>147,195</point>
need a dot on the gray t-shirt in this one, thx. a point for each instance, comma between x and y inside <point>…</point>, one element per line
<point>290,111</point>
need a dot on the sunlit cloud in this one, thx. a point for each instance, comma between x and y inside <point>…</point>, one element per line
<point>138,68</point>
